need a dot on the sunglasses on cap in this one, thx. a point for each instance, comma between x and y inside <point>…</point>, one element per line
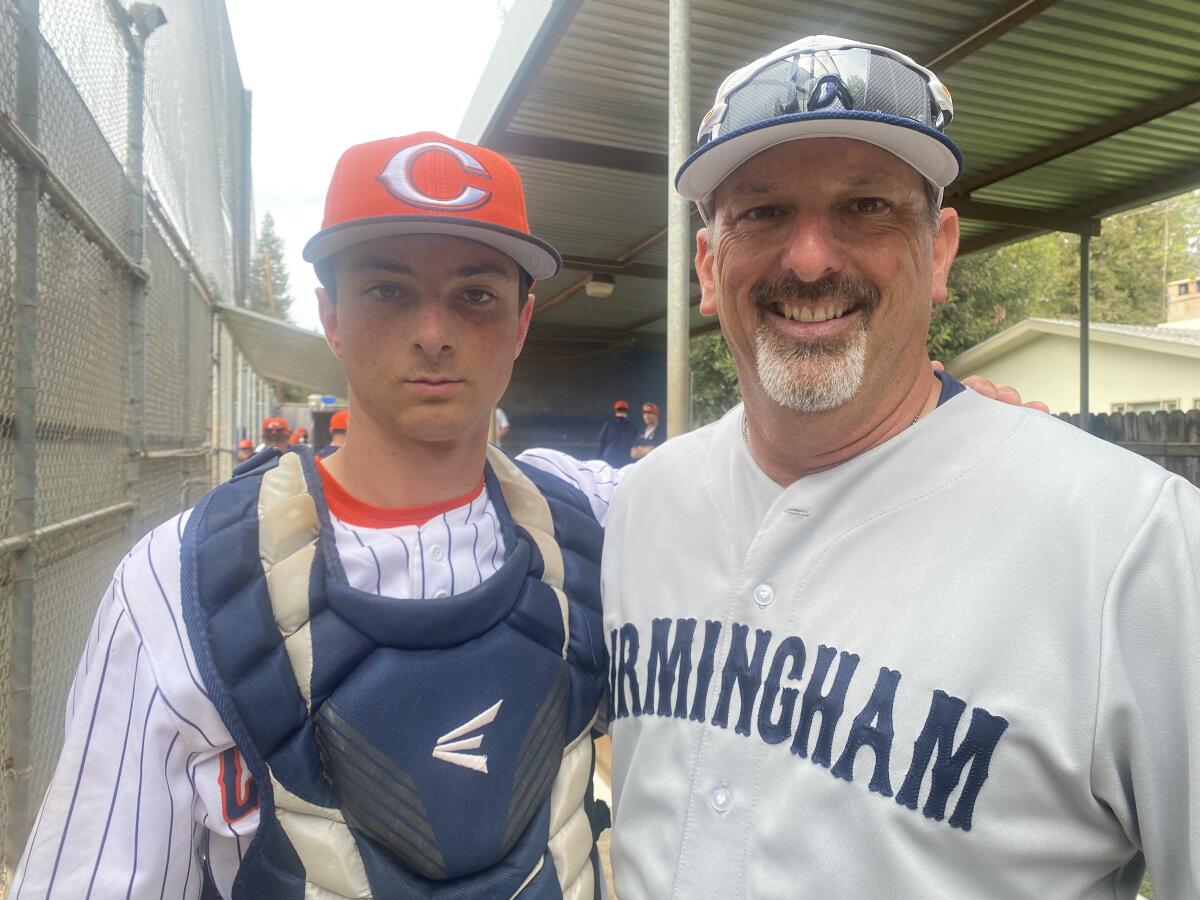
<point>864,78</point>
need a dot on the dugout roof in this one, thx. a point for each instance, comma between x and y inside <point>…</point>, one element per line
<point>280,351</point>
<point>1066,112</point>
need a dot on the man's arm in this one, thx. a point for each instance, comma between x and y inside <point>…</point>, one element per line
<point>596,479</point>
<point>1147,737</point>
<point>117,819</point>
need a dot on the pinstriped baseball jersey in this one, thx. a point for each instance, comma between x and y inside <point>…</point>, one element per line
<point>149,775</point>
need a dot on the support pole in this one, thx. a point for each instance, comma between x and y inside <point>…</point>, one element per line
<point>137,24</point>
<point>185,402</point>
<point>24,514</point>
<point>1084,292</point>
<point>679,242</point>
<point>135,153</point>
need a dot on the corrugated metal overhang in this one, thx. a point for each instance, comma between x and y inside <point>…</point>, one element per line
<point>279,351</point>
<point>1067,111</point>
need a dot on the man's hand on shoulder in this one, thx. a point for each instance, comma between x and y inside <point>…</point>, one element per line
<point>1005,393</point>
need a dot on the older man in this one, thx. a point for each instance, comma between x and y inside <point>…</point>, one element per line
<point>911,643</point>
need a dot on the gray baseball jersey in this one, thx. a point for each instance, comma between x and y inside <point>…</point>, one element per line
<point>965,663</point>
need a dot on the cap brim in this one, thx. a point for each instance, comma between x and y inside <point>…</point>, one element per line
<point>533,255</point>
<point>926,149</point>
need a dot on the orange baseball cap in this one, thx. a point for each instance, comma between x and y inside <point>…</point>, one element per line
<point>340,420</point>
<point>276,423</point>
<point>621,404</point>
<point>427,183</point>
<point>245,444</point>
<point>299,436</point>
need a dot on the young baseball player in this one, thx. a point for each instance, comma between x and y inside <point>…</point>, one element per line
<point>373,675</point>
<point>911,644</point>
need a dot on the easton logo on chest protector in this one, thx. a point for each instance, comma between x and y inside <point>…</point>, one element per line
<point>452,745</point>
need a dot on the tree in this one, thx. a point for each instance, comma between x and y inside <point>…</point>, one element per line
<point>1132,260</point>
<point>993,291</point>
<point>714,380</point>
<point>270,291</point>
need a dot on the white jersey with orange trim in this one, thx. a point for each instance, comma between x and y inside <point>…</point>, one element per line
<point>149,775</point>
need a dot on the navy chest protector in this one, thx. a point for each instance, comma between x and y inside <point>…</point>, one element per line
<point>403,748</point>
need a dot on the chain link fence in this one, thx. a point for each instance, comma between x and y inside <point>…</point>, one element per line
<point>121,395</point>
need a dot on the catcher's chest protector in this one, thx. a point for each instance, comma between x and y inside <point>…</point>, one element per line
<point>403,748</point>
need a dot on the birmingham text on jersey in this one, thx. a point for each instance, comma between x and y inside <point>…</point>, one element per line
<point>668,691</point>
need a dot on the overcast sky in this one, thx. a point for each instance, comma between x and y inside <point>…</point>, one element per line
<point>324,80</point>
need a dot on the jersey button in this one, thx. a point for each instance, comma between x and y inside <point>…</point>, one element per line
<point>720,799</point>
<point>764,595</point>
<point>436,553</point>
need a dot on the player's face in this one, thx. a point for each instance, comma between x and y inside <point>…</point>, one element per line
<point>427,327</point>
<point>276,439</point>
<point>823,266</point>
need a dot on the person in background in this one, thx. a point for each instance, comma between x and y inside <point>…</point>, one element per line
<point>651,436</point>
<point>275,433</point>
<point>299,436</point>
<point>245,450</point>
<point>617,436</point>
<point>339,424</point>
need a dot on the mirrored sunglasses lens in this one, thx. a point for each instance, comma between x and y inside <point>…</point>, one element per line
<point>855,79</point>
<point>765,96</point>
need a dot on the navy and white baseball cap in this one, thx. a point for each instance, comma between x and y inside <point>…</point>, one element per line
<point>821,87</point>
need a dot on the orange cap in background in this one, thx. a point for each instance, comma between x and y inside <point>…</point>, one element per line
<point>621,404</point>
<point>340,420</point>
<point>276,423</point>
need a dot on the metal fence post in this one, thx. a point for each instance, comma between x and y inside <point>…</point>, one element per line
<point>679,247</point>
<point>139,22</point>
<point>1084,298</point>
<point>185,412</point>
<point>137,289</point>
<point>246,213</point>
<point>24,521</point>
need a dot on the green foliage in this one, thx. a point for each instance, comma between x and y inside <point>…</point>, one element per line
<point>714,380</point>
<point>1137,253</point>
<point>270,291</point>
<point>294,394</point>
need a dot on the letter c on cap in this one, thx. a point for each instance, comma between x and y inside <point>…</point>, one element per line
<point>397,178</point>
